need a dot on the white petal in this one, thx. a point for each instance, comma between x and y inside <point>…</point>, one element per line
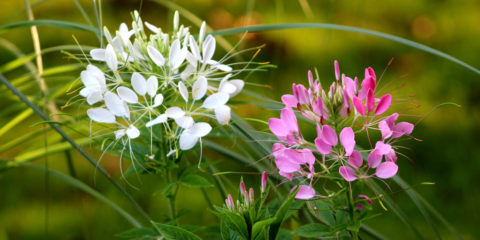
<point>199,129</point>
<point>223,67</point>
<point>98,54</point>
<point>174,112</point>
<point>216,100</point>
<point>187,141</point>
<point>156,56</point>
<point>183,91</point>
<point>85,92</point>
<point>227,87</point>
<point>152,86</point>
<point>158,100</point>
<point>222,114</point>
<point>191,59</point>
<point>199,88</point>
<point>94,97</point>
<point>208,48</point>
<point>239,84</point>
<point>139,84</point>
<point>184,122</point>
<point>152,27</point>
<point>119,133</point>
<point>177,55</point>
<point>127,95</point>
<point>160,119</point>
<point>115,104</point>
<point>111,58</point>
<point>101,115</point>
<point>132,132</point>
<point>117,44</point>
<point>194,48</point>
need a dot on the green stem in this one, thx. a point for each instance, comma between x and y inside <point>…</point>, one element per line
<point>351,210</point>
<point>171,198</point>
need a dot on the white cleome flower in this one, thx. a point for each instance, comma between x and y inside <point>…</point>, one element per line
<point>168,84</point>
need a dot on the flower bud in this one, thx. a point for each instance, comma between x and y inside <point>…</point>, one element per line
<point>229,202</point>
<point>337,70</point>
<point>243,191</point>
<point>263,185</point>
<point>175,21</point>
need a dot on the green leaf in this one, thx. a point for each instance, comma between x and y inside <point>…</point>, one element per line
<point>137,232</point>
<point>313,230</point>
<point>166,189</point>
<point>195,181</point>
<point>275,221</point>
<point>233,226</point>
<point>270,27</point>
<point>174,232</point>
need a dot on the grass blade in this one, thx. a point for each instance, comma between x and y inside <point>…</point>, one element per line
<point>48,22</point>
<point>73,143</point>
<point>84,187</point>
<point>419,46</point>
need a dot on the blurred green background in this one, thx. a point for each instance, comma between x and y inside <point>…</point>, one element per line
<point>447,153</point>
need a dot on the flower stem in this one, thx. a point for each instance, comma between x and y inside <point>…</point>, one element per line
<point>171,198</point>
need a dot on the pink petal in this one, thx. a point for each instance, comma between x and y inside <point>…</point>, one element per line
<point>294,155</point>
<point>365,197</point>
<point>285,165</point>
<point>322,147</point>
<point>305,192</point>
<point>374,158</point>
<point>350,87</point>
<point>356,159</point>
<point>402,128</point>
<point>370,100</point>
<point>301,94</point>
<point>290,120</point>
<point>289,100</point>
<point>318,107</point>
<point>329,135</point>
<point>383,148</point>
<point>289,176</point>
<point>391,120</point>
<point>383,104</point>
<point>369,72</point>
<point>391,156</point>
<point>359,106</point>
<point>385,129</point>
<point>278,128</point>
<point>310,78</point>
<point>308,156</point>
<point>278,149</point>
<point>347,138</point>
<point>368,83</point>
<point>347,173</point>
<point>386,170</point>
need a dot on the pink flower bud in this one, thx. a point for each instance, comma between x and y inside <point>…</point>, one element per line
<point>243,191</point>
<point>337,70</point>
<point>229,202</point>
<point>263,182</point>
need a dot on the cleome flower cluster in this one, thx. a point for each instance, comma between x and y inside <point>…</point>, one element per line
<point>347,109</point>
<point>167,84</point>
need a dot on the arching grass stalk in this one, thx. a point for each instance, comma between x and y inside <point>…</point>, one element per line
<point>53,125</point>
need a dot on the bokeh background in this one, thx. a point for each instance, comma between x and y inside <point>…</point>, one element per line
<point>447,153</point>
